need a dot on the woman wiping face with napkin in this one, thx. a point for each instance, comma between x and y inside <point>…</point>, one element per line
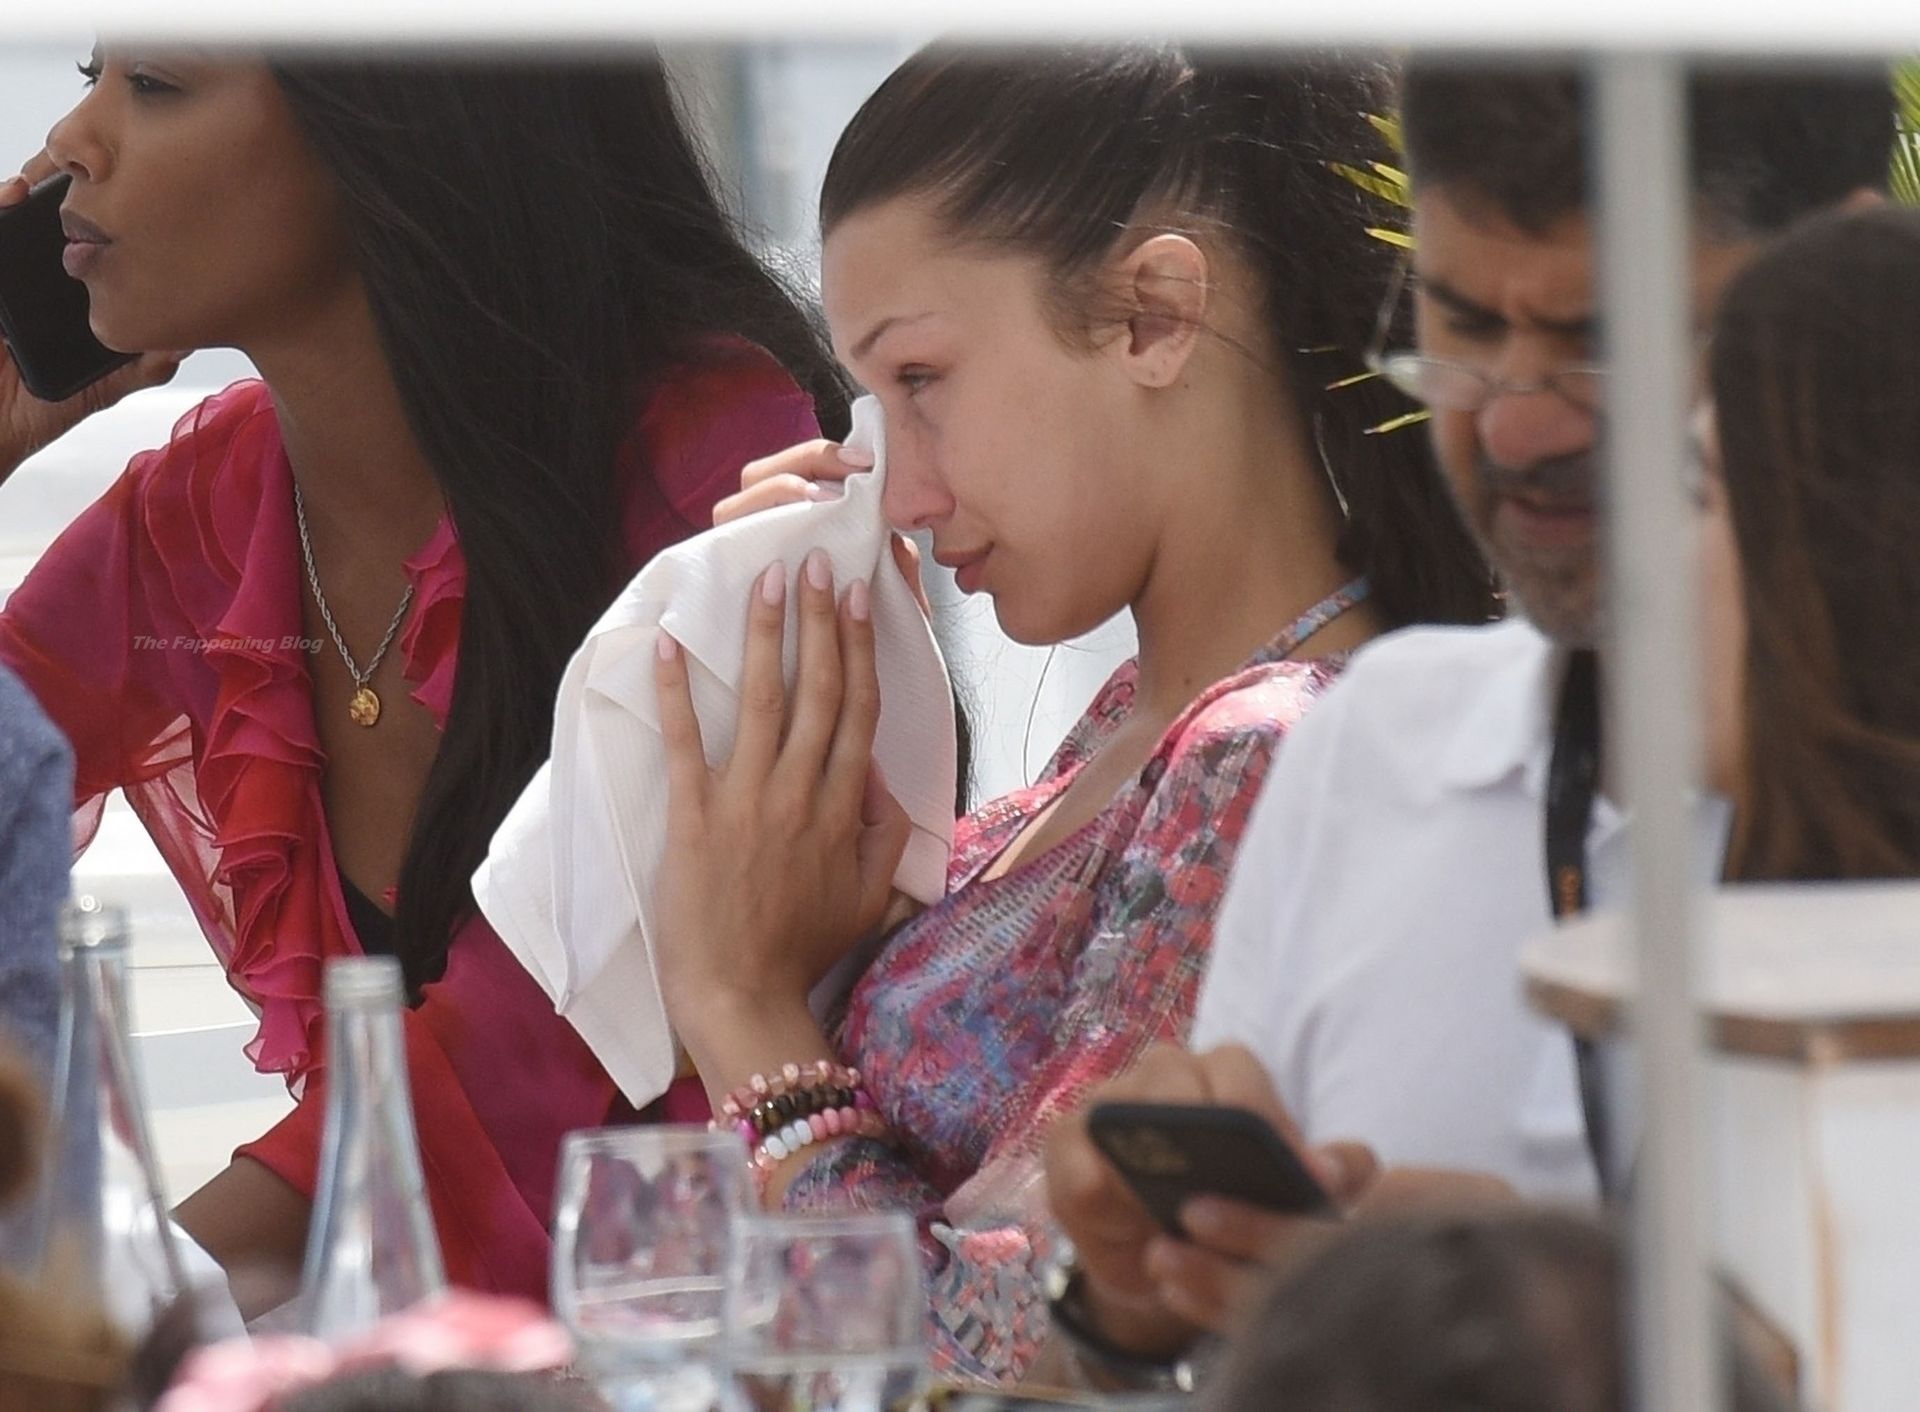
<point>1106,298</point>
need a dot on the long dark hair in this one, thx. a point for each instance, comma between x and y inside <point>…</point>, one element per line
<point>1816,381</point>
<point>1073,154</point>
<point>541,244</point>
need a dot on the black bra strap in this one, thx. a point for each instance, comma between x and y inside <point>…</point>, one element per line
<point>373,927</point>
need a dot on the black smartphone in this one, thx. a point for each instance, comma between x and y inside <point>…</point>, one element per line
<point>43,309</point>
<point>1170,1152</point>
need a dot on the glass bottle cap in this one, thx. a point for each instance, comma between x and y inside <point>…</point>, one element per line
<point>88,924</point>
<point>362,983</point>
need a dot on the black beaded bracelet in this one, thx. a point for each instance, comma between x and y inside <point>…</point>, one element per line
<point>777,1110</point>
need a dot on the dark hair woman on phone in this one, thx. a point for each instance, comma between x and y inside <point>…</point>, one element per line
<point>510,347</point>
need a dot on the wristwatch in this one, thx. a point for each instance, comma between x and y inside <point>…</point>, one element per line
<point>1104,1364</point>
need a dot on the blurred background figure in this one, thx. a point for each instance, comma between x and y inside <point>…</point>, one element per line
<point>36,798</point>
<point>1498,1312</point>
<point>392,1391</point>
<point>52,1358</point>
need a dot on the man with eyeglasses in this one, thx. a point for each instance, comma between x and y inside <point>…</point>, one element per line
<point>1364,992</point>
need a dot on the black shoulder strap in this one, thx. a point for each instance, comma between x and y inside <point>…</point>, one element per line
<point>1573,779</point>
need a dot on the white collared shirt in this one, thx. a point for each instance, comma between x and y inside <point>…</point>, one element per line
<point>1392,870</point>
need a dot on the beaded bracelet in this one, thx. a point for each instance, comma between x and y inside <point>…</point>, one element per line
<point>779,1114</point>
<point>857,1119</point>
<point>768,1101</point>
<point>766,1104</point>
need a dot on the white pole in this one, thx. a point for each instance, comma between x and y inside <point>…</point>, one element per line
<point>1653,702</point>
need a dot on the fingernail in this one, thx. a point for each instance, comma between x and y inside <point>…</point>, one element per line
<point>857,602</point>
<point>1160,1258</point>
<point>1201,1217</point>
<point>773,585</point>
<point>817,491</point>
<point>819,570</point>
<point>666,647</point>
<point>857,456</point>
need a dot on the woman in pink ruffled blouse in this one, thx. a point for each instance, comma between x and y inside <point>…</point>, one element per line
<point>510,349</point>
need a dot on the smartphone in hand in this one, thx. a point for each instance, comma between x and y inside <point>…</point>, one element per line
<point>43,309</point>
<point>1169,1153</point>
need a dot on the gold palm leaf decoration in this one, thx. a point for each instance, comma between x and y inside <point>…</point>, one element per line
<point>1906,147</point>
<point>1389,183</point>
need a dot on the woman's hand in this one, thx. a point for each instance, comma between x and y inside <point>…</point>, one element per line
<point>781,859</point>
<point>805,472</point>
<point>26,422</point>
<point>1151,1292</point>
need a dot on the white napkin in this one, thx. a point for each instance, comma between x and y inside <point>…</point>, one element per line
<point>568,879</point>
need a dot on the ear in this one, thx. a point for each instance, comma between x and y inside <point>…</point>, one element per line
<point>1163,281</point>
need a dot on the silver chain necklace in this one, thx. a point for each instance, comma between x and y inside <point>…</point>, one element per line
<point>364,708</point>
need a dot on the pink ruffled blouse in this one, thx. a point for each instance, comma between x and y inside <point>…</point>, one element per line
<point>163,633</point>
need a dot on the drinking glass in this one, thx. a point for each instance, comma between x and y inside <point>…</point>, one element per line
<point>640,1246</point>
<point>824,1314</point>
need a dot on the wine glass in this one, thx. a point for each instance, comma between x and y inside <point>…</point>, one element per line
<point>640,1247</point>
<point>824,1314</point>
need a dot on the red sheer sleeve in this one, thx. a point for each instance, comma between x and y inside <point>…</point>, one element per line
<point>115,627</point>
<point>81,638</point>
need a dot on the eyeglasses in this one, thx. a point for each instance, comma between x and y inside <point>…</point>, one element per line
<point>1457,387</point>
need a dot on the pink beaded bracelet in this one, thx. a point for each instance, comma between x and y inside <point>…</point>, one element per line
<point>759,1090</point>
<point>780,1114</point>
<point>767,1105</point>
<point>861,1118</point>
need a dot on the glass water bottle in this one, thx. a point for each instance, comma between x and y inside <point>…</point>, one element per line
<point>371,1249</point>
<point>106,1240</point>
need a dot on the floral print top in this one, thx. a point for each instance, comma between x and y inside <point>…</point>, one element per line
<point>996,1010</point>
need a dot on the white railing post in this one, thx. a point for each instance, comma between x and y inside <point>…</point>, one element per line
<point>1652,700</point>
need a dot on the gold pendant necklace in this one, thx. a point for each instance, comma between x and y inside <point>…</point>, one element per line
<point>363,709</point>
